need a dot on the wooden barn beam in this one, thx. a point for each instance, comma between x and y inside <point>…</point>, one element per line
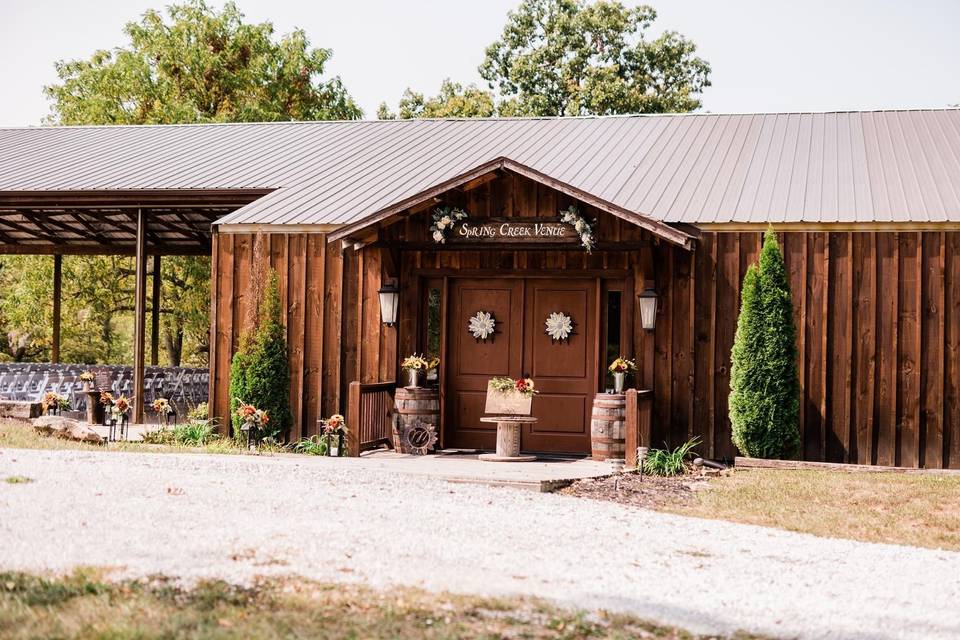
<point>155,313</point>
<point>140,317</point>
<point>57,289</point>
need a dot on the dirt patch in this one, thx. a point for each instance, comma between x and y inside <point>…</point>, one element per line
<point>651,492</point>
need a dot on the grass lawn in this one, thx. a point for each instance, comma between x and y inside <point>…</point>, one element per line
<point>84,606</point>
<point>17,435</point>
<point>914,509</point>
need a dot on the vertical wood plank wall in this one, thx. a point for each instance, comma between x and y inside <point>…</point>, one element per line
<point>877,314</point>
<point>878,332</point>
<point>310,273</point>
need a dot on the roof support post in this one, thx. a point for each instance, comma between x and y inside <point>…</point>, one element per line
<point>155,313</point>
<point>57,288</point>
<point>140,319</point>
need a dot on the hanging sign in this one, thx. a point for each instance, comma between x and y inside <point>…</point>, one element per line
<point>514,231</point>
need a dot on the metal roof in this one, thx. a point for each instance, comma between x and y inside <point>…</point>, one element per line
<point>880,166</point>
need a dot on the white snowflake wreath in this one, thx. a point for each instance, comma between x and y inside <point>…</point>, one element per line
<point>443,220</point>
<point>482,325</point>
<point>584,229</point>
<point>559,326</point>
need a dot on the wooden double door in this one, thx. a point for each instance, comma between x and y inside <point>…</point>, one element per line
<point>565,372</point>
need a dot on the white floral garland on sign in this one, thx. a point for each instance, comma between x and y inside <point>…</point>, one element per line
<point>443,220</point>
<point>482,325</point>
<point>559,326</point>
<point>583,228</point>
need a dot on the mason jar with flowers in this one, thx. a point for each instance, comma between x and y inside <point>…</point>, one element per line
<point>53,403</point>
<point>252,420</point>
<point>335,433</point>
<point>415,365</point>
<point>620,368</point>
<point>163,409</point>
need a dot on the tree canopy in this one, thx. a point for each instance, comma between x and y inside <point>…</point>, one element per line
<point>190,63</point>
<point>453,101</point>
<point>198,64</point>
<point>572,58</point>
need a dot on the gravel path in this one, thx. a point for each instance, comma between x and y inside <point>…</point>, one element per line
<point>236,517</point>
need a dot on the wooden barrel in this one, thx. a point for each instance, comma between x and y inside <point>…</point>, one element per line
<point>608,426</point>
<point>414,405</point>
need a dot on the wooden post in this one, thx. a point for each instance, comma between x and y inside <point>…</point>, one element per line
<point>57,288</point>
<point>140,317</point>
<point>638,425</point>
<point>353,418</point>
<point>155,313</point>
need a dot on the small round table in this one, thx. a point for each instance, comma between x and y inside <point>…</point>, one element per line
<point>508,439</point>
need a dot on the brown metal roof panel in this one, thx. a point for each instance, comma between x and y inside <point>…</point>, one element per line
<point>944,140</point>
<point>761,161</point>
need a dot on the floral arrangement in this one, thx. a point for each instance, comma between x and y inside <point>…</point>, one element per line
<point>443,220</point>
<point>106,398</point>
<point>121,405</point>
<point>162,407</point>
<point>622,365</point>
<point>252,416</point>
<point>419,362</point>
<point>482,325</point>
<point>583,228</point>
<point>53,400</point>
<point>87,376</point>
<point>523,386</point>
<point>334,432</point>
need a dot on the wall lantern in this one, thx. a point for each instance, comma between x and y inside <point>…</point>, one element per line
<point>648,309</point>
<point>389,303</point>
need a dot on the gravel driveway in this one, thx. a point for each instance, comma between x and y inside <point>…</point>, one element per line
<point>236,517</point>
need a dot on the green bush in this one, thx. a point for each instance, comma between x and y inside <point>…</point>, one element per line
<point>260,370</point>
<point>764,385</point>
<point>194,434</point>
<point>663,462</point>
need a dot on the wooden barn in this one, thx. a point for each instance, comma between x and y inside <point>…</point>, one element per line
<point>670,208</point>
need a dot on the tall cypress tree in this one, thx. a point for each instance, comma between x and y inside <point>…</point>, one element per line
<point>764,385</point>
<point>268,367</point>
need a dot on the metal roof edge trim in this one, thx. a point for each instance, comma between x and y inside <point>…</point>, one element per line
<point>255,227</point>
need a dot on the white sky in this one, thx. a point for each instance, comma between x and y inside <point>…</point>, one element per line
<point>767,55</point>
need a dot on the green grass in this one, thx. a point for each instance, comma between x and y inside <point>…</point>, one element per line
<point>664,462</point>
<point>915,509</point>
<point>16,435</point>
<point>83,605</point>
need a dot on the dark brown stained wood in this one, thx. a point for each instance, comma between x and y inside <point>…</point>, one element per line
<point>296,292</point>
<point>815,345</point>
<point>224,304</point>
<point>705,318</point>
<point>332,323</point>
<point>350,322</point>
<point>864,345</point>
<point>951,381</point>
<point>932,350</point>
<point>155,287</point>
<point>839,347</point>
<point>795,258</point>
<point>313,332</point>
<point>57,294</point>
<point>139,319</point>
<point>797,465</point>
<point>885,412</point>
<point>663,350</point>
<point>908,351</point>
<point>681,413</point>
<point>727,301</point>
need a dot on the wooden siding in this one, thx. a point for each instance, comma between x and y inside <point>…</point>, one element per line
<point>309,271</point>
<point>877,315</point>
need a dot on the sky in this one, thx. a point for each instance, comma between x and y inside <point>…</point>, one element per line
<point>767,55</point>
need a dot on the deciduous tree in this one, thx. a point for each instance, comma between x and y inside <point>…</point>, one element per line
<point>573,57</point>
<point>453,101</point>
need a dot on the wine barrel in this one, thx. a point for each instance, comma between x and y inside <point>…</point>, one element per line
<point>608,426</point>
<point>414,405</point>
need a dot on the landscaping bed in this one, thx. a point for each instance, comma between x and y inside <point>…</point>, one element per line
<point>650,492</point>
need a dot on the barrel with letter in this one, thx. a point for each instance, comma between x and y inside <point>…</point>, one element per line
<point>608,426</point>
<point>414,405</point>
